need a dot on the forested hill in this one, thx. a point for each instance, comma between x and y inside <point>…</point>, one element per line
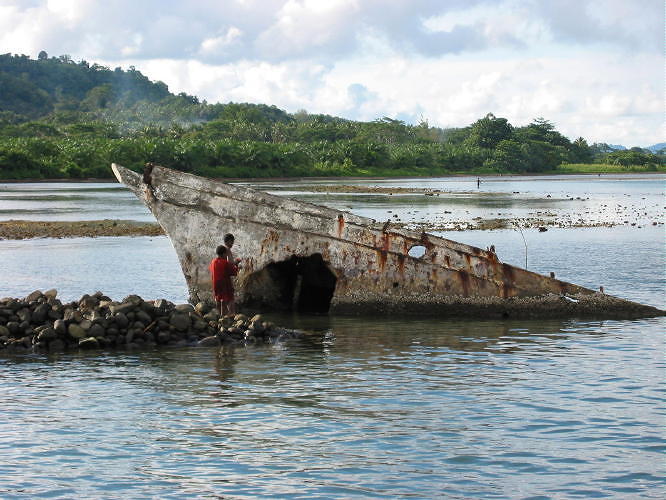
<point>35,88</point>
<point>65,119</point>
<point>58,88</point>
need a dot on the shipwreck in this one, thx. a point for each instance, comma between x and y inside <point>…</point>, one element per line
<point>304,257</point>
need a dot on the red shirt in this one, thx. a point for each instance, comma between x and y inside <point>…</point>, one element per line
<point>221,271</point>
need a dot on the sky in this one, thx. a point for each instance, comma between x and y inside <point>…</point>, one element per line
<point>595,68</point>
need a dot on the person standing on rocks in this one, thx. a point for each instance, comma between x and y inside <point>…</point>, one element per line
<point>221,270</point>
<point>229,242</point>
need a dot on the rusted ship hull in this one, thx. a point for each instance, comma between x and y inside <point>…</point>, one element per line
<point>306,257</point>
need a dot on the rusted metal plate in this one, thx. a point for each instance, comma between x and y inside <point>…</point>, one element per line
<point>370,261</point>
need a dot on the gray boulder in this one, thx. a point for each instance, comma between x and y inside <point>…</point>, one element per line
<point>199,325</point>
<point>34,296</point>
<point>123,308</point>
<point>96,330</point>
<point>40,313</point>
<point>46,334</point>
<point>211,316</point>
<point>144,317</point>
<point>180,321</point>
<point>24,315</point>
<point>162,306</point>
<point>72,315</point>
<point>202,308</point>
<point>60,327</point>
<point>121,320</point>
<point>76,331</point>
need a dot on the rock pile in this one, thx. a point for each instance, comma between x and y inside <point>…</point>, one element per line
<point>41,322</point>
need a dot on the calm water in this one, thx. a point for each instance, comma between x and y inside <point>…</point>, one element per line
<point>361,407</point>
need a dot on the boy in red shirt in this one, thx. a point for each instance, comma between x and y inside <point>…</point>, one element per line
<point>221,271</point>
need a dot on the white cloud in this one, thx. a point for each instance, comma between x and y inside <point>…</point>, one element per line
<point>218,44</point>
<point>594,67</point>
<point>301,26</point>
<point>70,11</point>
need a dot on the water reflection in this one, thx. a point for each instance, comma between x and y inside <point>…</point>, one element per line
<point>372,337</point>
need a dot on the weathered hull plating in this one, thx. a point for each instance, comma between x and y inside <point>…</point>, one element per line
<point>304,256</point>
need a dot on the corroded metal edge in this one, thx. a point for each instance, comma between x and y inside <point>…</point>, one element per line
<point>371,262</point>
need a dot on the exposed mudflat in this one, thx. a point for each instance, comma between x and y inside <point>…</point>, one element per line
<point>25,229</point>
<point>432,209</point>
<point>352,188</point>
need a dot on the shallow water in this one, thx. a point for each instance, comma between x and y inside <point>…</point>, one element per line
<point>68,201</point>
<point>145,266</point>
<point>563,201</point>
<point>360,407</point>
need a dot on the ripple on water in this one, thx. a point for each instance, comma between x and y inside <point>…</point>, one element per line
<point>398,414</point>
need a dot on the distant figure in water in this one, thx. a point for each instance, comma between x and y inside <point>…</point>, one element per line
<point>478,182</point>
<point>221,271</point>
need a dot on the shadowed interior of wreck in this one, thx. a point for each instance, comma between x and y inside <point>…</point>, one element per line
<point>303,284</point>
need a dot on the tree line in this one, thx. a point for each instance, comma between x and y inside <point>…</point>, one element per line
<point>62,119</point>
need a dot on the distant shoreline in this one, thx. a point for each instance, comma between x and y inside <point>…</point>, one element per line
<point>112,180</point>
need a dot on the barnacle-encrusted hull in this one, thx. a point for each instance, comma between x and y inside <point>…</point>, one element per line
<point>302,256</point>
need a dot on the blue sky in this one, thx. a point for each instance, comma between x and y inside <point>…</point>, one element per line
<point>593,67</point>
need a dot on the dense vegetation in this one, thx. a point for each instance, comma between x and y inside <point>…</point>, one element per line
<point>63,119</point>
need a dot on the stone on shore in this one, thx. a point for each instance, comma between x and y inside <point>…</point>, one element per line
<point>180,322</point>
<point>42,323</point>
<point>76,331</point>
